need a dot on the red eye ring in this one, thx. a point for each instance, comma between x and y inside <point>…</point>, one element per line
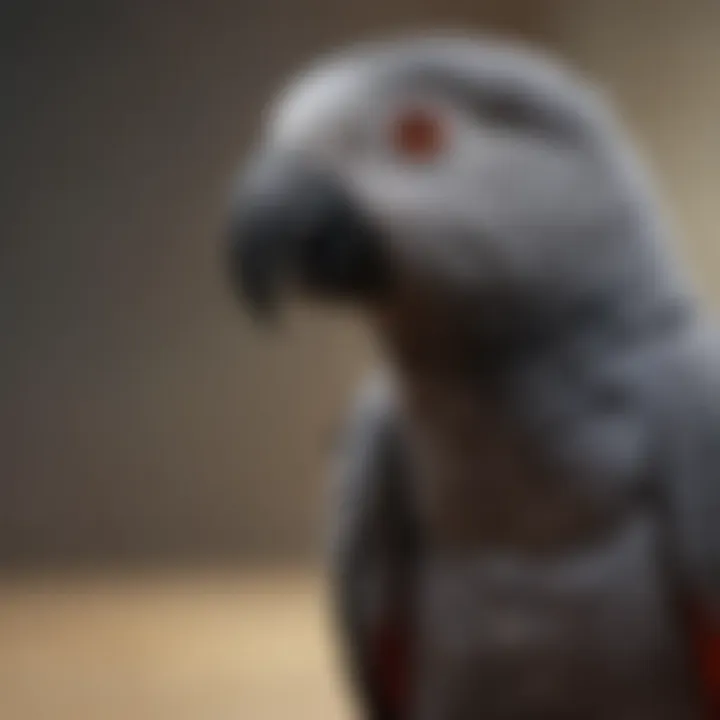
<point>419,133</point>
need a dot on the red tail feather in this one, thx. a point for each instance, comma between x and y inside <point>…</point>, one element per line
<point>392,663</point>
<point>705,638</point>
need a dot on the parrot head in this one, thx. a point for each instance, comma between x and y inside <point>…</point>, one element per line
<point>449,187</point>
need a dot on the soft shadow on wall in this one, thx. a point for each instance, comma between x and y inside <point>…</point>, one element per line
<point>143,416</point>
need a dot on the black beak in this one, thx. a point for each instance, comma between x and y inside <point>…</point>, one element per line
<point>294,225</point>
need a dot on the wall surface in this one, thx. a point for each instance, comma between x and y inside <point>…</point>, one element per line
<point>141,414</point>
<point>659,60</point>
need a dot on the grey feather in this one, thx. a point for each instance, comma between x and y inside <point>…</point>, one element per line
<point>373,538</point>
<point>547,466</point>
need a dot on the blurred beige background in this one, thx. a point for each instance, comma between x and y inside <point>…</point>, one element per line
<point>143,418</point>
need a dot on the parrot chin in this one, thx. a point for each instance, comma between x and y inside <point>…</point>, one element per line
<point>296,227</point>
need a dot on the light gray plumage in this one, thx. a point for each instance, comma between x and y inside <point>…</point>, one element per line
<point>531,483</point>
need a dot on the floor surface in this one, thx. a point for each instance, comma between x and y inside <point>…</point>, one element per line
<point>256,647</point>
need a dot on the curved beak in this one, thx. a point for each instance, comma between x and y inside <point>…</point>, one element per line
<point>297,226</point>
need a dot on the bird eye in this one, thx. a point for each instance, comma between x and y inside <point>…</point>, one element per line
<point>419,134</point>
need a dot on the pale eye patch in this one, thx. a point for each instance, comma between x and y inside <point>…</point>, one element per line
<point>324,109</point>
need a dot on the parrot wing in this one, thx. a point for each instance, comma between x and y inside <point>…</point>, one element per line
<point>691,494</point>
<point>374,545</point>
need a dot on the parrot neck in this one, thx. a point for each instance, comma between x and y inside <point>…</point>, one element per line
<point>497,432</point>
<point>483,348</point>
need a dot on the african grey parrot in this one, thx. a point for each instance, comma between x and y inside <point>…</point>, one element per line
<point>526,521</point>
